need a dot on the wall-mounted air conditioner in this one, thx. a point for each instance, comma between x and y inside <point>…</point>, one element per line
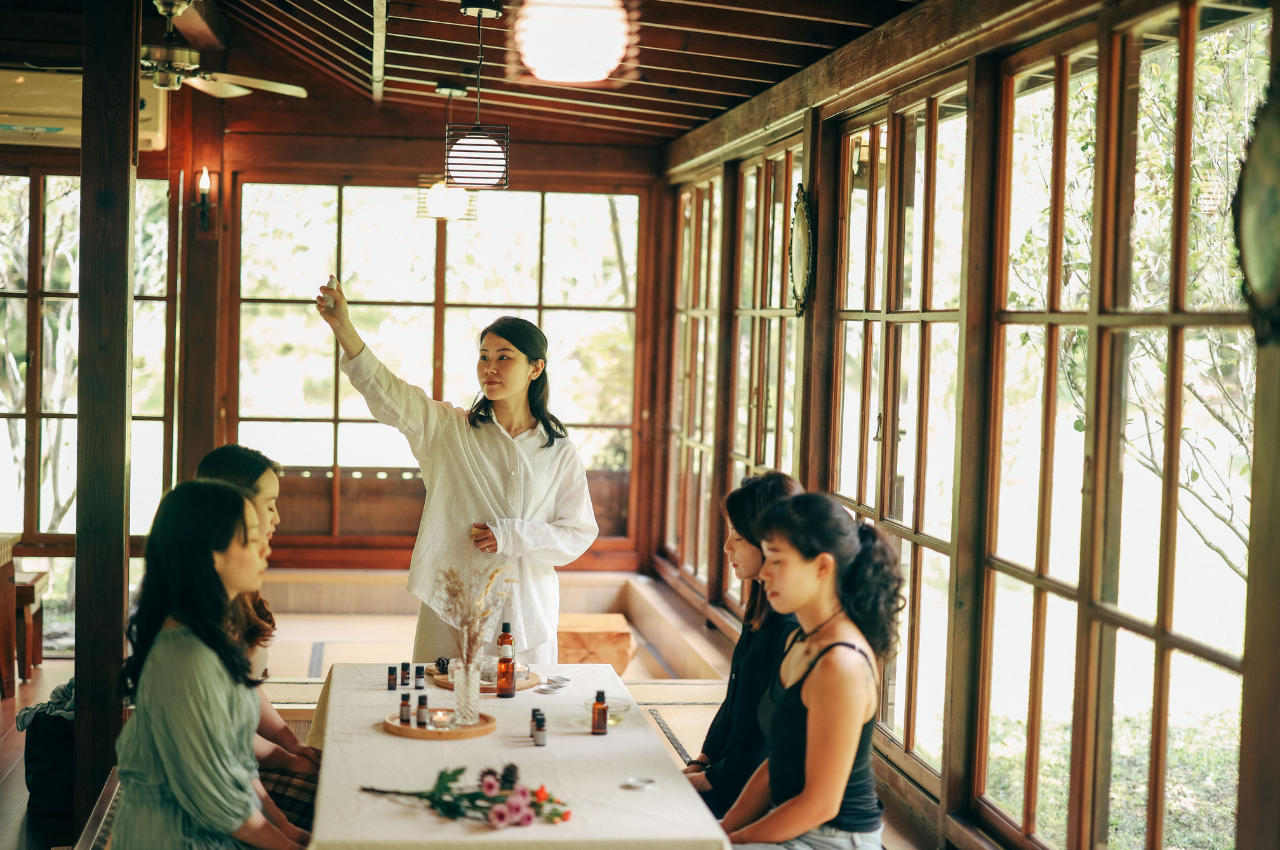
<point>43,108</point>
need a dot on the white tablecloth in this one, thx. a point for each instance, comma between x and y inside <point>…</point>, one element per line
<point>585,771</point>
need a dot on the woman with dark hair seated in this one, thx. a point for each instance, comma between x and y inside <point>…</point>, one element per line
<point>187,770</point>
<point>816,790</point>
<point>288,768</point>
<point>734,746</point>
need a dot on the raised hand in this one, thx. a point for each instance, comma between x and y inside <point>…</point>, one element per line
<point>331,304</point>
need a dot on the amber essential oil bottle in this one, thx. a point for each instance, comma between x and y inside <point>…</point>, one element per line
<point>506,672</point>
<point>419,677</point>
<point>422,710</point>
<point>404,673</point>
<point>391,677</point>
<point>600,715</point>
<point>404,709</point>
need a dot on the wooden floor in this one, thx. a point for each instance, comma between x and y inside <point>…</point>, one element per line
<point>18,830</point>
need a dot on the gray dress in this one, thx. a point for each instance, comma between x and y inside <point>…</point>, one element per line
<point>185,757</point>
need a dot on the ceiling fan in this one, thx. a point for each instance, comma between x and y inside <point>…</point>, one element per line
<point>170,65</point>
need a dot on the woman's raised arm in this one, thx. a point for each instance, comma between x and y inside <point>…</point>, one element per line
<point>331,304</point>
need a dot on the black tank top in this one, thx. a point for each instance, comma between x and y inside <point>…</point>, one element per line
<point>784,719</point>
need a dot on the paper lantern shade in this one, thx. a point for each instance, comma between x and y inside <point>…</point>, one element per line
<point>579,43</point>
<point>476,156</point>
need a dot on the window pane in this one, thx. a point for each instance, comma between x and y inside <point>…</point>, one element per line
<point>13,356</point>
<point>791,401</point>
<point>1232,68</point>
<point>13,453</point>
<point>1020,443</point>
<point>797,178</point>
<point>855,272</point>
<point>146,473</point>
<point>402,337</point>
<point>1130,741</point>
<point>494,259</point>
<point>907,401</point>
<point>1142,459</point>
<point>1213,501</point>
<point>589,250</point>
<point>606,453</point>
<point>388,253</point>
<point>711,356</point>
<point>850,411</point>
<point>772,355</point>
<point>779,215</point>
<point>685,283</point>
<point>705,216</point>
<point>940,442</point>
<point>875,423</point>
<point>1031,176</point>
<point>151,237</point>
<point>931,664</point>
<point>61,360</point>
<point>148,357</point>
<point>15,219</point>
<point>58,476</point>
<point>288,239</point>
<point>948,202</point>
<point>1202,770</point>
<point>291,443</point>
<point>680,376</point>
<point>742,416</point>
<point>746,281</point>
<point>1010,694</point>
<point>591,365</point>
<point>916,153</point>
<point>286,361</point>
<point>62,234</point>
<point>1077,229</point>
<point>894,716</point>
<point>697,374</point>
<point>1068,454</point>
<point>675,456</point>
<point>1151,228</point>
<point>1057,704</point>
<point>372,444</point>
<point>462,326</point>
<point>879,236</point>
<point>713,249</point>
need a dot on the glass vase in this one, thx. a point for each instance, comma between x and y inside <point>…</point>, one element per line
<point>466,691</point>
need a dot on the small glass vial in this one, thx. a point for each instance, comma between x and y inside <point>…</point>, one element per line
<point>533,721</point>
<point>404,709</point>
<point>423,720</point>
<point>391,677</point>
<point>419,677</point>
<point>600,715</point>
<point>540,732</point>
<point>506,673</point>
<point>404,674</point>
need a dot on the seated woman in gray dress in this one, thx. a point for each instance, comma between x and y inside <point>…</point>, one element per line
<point>187,771</point>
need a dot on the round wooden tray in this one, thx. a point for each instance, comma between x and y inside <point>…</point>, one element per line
<point>442,680</point>
<point>393,725</point>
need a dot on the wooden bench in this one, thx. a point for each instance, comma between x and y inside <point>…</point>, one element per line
<point>29,618</point>
<point>596,639</point>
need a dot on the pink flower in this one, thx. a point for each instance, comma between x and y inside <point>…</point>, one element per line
<point>490,785</point>
<point>516,808</point>
<point>520,793</point>
<point>499,816</point>
<point>526,818</point>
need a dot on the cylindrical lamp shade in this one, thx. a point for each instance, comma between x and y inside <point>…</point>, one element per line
<point>572,41</point>
<point>448,202</point>
<point>476,156</point>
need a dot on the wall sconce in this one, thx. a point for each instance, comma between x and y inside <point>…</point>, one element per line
<point>206,201</point>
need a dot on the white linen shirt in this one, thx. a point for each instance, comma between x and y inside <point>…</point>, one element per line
<point>534,498</point>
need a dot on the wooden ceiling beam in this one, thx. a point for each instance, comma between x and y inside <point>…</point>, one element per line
<point>203,26</point>
<point>319,25</point>
<point>864,13</point>
<point>771,29</point>
<point>522,122</point>
<point>315,56</point>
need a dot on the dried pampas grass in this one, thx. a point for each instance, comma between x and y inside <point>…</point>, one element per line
<point>465,604</point>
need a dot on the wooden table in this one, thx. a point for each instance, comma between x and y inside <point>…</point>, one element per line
<point>29,620</point>
<point>584,770</point>
<point>8,609</point>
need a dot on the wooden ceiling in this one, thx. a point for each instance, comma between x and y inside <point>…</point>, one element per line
<point>698,58</point>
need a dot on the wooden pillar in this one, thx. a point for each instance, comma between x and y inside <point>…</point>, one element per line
<point>726,359</point>
<point>108,161</point>
<point>202,408</point>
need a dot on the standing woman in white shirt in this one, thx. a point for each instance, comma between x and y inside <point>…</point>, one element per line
<point>504,468</point>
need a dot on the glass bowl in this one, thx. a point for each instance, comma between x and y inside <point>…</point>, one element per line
<point>618,707</point>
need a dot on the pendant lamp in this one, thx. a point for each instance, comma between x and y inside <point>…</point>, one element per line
<point>580,43</point>
<point>477,155</point>
<point>436,198</point>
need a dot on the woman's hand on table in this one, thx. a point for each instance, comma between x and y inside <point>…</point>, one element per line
<point>482,538</point>
<point>298,836</point>
<point>298,763</point>
<point>699,782</point>
<point>311,754</point>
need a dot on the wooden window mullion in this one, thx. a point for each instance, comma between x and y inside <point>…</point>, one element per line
<point>172,265</point>
<point>1035,702</point>
<point>35,348</point>
<point>336,482</point>
<point>438,311</point>
<point>922,426</point>
<point>1058,181</point>
<point>913,652</point>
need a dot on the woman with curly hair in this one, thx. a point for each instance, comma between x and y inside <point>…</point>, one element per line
<point>816,790</point>
<point>288,768</point>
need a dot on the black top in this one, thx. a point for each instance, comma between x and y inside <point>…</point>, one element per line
<point>784,718</point>
<point>735,742</point>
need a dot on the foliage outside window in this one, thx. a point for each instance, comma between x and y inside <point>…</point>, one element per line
<point>420,292</point>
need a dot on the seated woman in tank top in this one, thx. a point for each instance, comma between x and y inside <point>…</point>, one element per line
<point>815,790</point>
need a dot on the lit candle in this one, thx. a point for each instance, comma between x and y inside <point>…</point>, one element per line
<point>441,719</point>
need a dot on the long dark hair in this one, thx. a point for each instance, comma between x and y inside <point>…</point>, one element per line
<point>195,519</point>
<point>242,467</point>
<point>742,508</point>
<point>532,343</point>
<point>868,575</point>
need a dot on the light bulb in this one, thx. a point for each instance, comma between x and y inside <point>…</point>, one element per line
<point>572,41</point>
<point>477,161</point>
<point>204,179</point>
<point>447,202</point>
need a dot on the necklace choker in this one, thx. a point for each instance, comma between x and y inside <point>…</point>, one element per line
<point>804,636</point>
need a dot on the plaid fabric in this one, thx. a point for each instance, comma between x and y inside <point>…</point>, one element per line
<point>294,793</point>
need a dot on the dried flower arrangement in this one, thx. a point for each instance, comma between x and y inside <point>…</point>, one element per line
<point>469,609</point>
<point>499,800</point>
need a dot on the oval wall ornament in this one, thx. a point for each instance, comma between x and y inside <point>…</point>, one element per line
<point>1256,210</point>
<point>800,249</point>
